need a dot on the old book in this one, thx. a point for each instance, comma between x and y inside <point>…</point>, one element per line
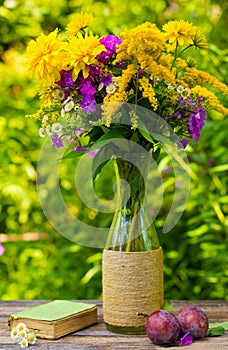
<point>57,318</point>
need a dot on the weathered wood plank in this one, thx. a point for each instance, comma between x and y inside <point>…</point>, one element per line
<point>98,337</point>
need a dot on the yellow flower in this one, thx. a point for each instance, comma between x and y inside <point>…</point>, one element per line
<point>199,40</point>
<point>82,52</point>
<point>112,103</point>
<point>148,92</point>
<point>45,57</point>
<point>79,21</point>
<point>180,31</point>
<point>194,76</point>
<point>126,76</point>
<point>158,71</point>
<point>181,63</point>
<point>211,101</point>
<point>145,39</point>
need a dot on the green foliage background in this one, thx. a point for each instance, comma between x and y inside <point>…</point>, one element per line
<point>195,251</point>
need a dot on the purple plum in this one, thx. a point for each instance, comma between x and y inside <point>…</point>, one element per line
<point>162,327</point>
<point>194,321</point>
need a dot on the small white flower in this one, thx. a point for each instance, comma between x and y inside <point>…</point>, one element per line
<point>59,95</point>
<point>14,333</point>
<point>69,106</point>
<point>21,327</point>
<point>45,119</point>
<point>56,127</point>
<point>180,89</point>
<point>185,93</point>
<point>23,342</point>
<point>22,334</point>
<point>31,338</point>
<point>111,88</point>
<point>76,108</point>
<point>42,132</point>
<point>49,130</point>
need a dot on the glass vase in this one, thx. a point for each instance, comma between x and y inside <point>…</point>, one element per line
<point>132,259</point>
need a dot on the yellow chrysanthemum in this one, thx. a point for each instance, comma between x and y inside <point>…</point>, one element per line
<point>79,21</point>
<point>82,52</point>
<point>180,31</point>
<point>45,57</point>
<point>199,40</point>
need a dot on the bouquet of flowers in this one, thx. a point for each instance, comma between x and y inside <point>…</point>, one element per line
<point>144,66</point>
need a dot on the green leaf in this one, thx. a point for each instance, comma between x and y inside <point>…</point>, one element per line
<point>112,134</point>
<point>222,324</point>
<point>99,162</point>
<point>215,331</point>
<point>167,305</point>
<point>74,154</point>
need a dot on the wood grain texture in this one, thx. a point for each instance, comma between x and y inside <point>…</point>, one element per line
<point>98,337</point>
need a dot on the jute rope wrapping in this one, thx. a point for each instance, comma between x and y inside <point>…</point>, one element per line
<point>132,283</point>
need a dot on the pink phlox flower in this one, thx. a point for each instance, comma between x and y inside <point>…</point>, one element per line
<point>65,79</point>
<point>57,141</point>
<point>94,70</point>
<point>111,43</point>
<point>106,79</point>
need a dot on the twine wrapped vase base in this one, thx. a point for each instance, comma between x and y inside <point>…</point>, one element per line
<point>132,284</point>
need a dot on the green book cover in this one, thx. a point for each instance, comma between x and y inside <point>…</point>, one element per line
<point>53,310</point>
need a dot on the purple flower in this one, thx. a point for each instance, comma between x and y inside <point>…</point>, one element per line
<point>186,339</point>
<point>182,143</point>
<point>66,79</point>
<point>120,64</point>
<point>87,90</point>
<point>110,42</point>
<point>93,153</point>
<point>88,104</point>
<point>94,70</point>
<point>196,122</point>
<point>80,148</point>
<point>141,73</point>
<point>104,57</point>
<point>86,86</point>
<point>57,141</point>
<point>168,169</point>
<point>106,79</point>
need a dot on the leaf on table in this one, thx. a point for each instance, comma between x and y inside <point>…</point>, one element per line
<point>217,329</point>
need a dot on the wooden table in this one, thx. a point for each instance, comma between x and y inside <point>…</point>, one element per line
<point>98,337</point>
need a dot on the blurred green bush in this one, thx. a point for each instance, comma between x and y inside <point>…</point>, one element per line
<point>195,251</point>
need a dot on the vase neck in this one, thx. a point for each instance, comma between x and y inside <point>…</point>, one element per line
<point>131,229</point>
